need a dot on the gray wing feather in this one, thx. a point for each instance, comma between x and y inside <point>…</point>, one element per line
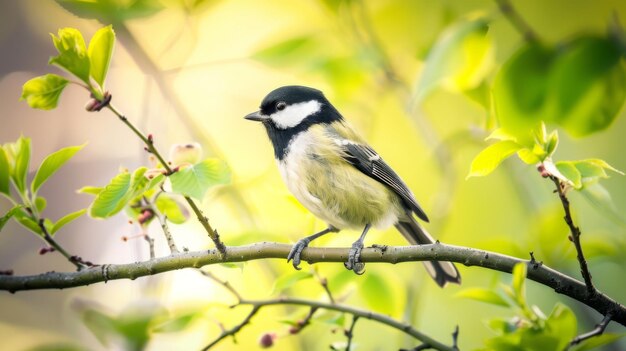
<point>365,159</point>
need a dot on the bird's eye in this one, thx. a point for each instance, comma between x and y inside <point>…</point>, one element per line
<point>281,105</point>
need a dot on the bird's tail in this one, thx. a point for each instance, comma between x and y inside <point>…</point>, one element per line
<point>442,272</point>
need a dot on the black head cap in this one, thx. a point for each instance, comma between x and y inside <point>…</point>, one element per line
<point>291,94</point>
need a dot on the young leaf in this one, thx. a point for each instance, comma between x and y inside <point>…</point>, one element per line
<point>27,222</point>
<point>66,220</point>
<point>99,52</point>
<point>22,161</point>
<point>290,279</point>
<point>519,276</point>
<point>528,156</point>
<point>552,143</point>
<point>174,211</point>
<point>40,204</point>
<point>562,324</point>
<point>51,164</point>
<point>5,173</point>
<point>4,219</point>
<point>460,59</point>
<point>176,324</point>
<point>484,295</point>
<point>194,181</point>
<point>107,202</point>
<point>489,159</point>
<point>569,170</point>
<point>43,92</point>
<point>72,53</point>
<point>111,11</point>
<point>91,190</point>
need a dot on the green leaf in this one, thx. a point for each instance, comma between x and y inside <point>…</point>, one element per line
<point>43,92</point>
<point>66,220</point>
<point>590,85</point>
<point>40,204</point>
<point>111,11</point>
<point>520,91</point>
<point>483,295</point>
<point>601,200</point>
<point>489,159</point>
<point>91,190</point>
<point>460,59</point>
<point>569,170</point>
<point>120,191</point>
<point>22,161</point>
<point>290,279</point>
<point>99,52</point>
<point>5,173</point>
<point>4,219</point>
<point>528,156</point>
<point>72,53</point>
<point>194,181</point>
<point>172,209</point>
<point>51,164</point>
<point>519,276</point>
<point>561,323</point>
<point>597,341</point>
<point>552,143</point>
<point>27,222</point>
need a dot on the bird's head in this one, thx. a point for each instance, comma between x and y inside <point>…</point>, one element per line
<point>294,107</point>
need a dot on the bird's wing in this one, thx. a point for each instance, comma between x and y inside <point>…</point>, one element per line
<point>366,160</point>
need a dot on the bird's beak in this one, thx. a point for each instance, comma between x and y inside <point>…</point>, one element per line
<point>256,116</point>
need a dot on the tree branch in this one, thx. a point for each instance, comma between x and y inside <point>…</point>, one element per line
<point>542,274</point>
<point>598,330</point>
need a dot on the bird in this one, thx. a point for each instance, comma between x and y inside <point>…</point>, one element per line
<point>338,177</point>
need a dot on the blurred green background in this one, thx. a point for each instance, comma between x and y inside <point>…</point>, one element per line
<point>187,70</point>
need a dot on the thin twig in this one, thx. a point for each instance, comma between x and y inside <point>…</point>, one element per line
<point>598,330</point>
<point>561,283</point>
<point>350,332</point>
<point>48,238</point>
<point>168,234</point>
<point>455,338</point>
<point>575,236</point>
<point>153,150</point>
<point>324,283</point>
<point>223,283</point>
<point>507,9</point>
<point>234,330</point>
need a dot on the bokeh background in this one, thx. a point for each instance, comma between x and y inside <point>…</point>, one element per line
<point>190,70</point>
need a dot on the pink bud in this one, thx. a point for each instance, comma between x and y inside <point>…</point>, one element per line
<point>267,340</point>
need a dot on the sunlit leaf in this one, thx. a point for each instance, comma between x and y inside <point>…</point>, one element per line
<point>460,59</point>
<point>519,277</point>
<point>562,324</point>
<point>43,92</point>
<point>27,222</point>
<point>40,204</point>
<point>491,157</point>
<point>122,189</point>
<point>528,156</point>
<point>111,11</point>
<point>99,52</point>
<point>5,173</point>
<point>66,220</point>
<point>22,161</point>
<point>552,143</point>
<point>51,164</point>
<point>194,181</point>
<point>4,219</point>
<point>483,295</point>
<point>91,190</point>
<point>290,279</point>
<point>569,170</point>
<point>72,53</point>
<point>177,324</point>
<point>172,209</point>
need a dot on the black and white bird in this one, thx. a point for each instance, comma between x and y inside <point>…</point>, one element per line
<point>337,176</point>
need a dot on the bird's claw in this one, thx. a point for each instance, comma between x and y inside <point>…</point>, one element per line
<point>354,256</point>
<point>296,251</point>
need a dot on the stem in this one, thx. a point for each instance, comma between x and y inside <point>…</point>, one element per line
<point>168,234</point>
<point>153,150</point>
<point>48,238</point>
<point>507,9</point>
<point>234,330</point>
<point>575,236</point>
<point>561,283</point>
<point>598,330</point>
<point>350,332</point>
<point>150,242</point>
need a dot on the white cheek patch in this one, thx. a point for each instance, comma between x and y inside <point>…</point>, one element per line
<point>294,114</point>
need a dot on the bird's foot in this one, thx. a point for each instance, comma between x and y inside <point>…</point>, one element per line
<point>296,251</point>
<point>354,255</point>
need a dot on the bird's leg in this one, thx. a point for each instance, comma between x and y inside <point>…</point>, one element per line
<point>354,254</point>
<point>297,248</point>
